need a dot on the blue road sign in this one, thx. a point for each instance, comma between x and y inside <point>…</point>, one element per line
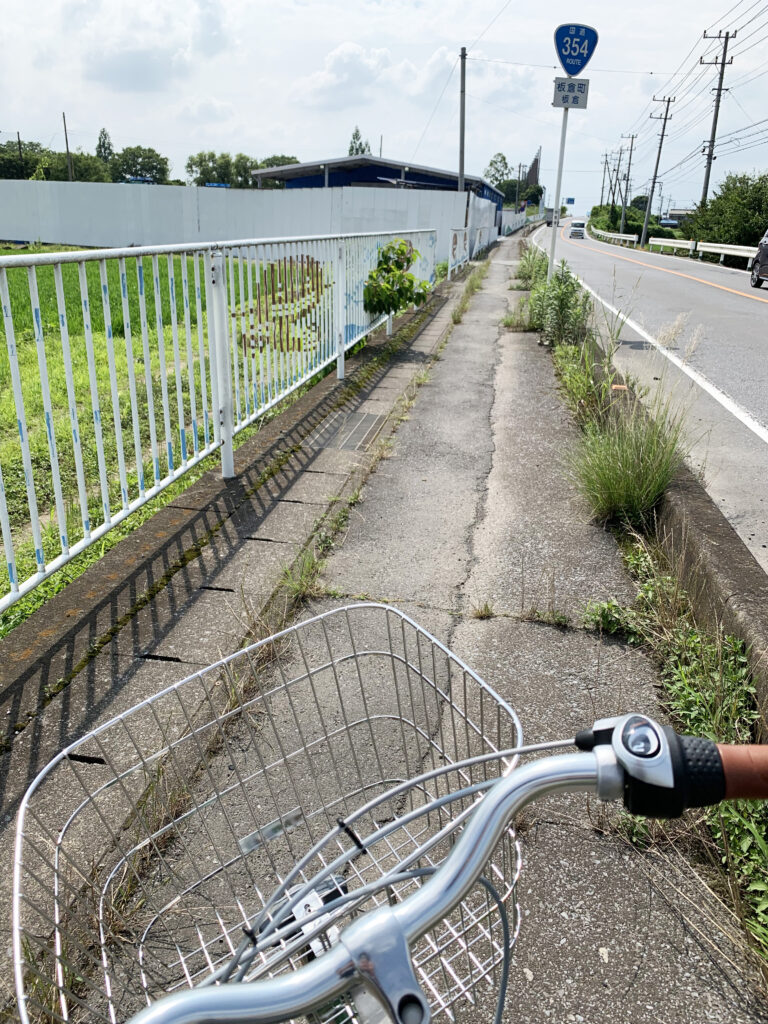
<point>570,202</point>
<point>575,45</point>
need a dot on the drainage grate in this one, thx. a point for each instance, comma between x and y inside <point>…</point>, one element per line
<point>347,431</point>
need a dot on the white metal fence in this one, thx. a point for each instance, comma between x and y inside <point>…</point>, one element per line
<point>124,368</point>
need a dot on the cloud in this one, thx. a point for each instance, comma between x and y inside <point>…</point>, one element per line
<point>149,69</point>
<point>210,37</point>
<point>149,50</point>
<point>349,72</point>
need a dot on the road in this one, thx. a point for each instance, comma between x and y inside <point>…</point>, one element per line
<point>699,332</point>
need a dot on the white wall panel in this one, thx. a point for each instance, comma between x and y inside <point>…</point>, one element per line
<point>101,214</point>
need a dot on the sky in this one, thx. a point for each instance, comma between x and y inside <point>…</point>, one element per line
<point>296,77</point>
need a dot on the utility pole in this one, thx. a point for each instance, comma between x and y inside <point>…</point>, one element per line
<point>661,197</point>
<point>626,179</point>
<point>21,155</point>
<point>70,173</point>
<point>656,117</point>
<point>710,151</point>
<point>602,187</point>
<point>615,180</point>
<point>461,116</point>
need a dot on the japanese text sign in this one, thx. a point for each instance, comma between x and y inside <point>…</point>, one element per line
<point>569,93</point>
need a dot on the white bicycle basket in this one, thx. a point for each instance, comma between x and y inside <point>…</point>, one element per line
<point>146,848</point>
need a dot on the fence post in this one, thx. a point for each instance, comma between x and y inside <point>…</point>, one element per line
<point>341,309</point>
<point>390,318</point>
<point>223,375</point>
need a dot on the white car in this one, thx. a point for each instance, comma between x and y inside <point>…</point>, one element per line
<point>578,228</point>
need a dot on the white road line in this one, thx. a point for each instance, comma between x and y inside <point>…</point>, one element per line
<point>719,396</point>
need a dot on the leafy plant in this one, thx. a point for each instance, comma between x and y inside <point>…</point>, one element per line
<point>390,287</point>
<point>559,309</point>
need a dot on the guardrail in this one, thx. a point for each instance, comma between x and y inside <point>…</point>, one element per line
<point>124,368</point>
<point>613,237</point>
<point>672,243</point>
<point>698,248</point>
<point>747,251</point>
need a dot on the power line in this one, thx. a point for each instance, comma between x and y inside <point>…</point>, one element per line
<point>554,67</point>
<point>493,19</point>
<point>434,109</point>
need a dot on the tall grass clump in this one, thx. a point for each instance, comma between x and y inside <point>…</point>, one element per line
<point>532,269</point>
<point>622,465</point>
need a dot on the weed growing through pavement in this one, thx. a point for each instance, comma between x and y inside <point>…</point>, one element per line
<point>483,611</point>
<point>473,284</point>
<point>550,616</point>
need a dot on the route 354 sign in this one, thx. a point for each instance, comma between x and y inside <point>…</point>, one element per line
<point>575,45</point>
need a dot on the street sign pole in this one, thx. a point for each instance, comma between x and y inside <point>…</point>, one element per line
<point>556,205</point>
<point>575,45</point>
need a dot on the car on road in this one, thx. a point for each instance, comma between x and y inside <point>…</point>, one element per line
<point>760,263</point>
<point>578,227</point>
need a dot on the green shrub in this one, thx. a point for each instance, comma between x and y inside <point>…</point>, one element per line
<point>559,309</point>
<point>390,287</point>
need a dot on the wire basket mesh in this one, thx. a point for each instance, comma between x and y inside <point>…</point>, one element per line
<point>146,848</point>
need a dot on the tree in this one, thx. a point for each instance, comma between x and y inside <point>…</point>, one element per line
<point>737,213</point>
<point>280,160</point>
<point>209,168</point>
<point>139,162</point>
<point>532,193</point>
<point>14,166</point>
<point>639,203</point>
<point>356,145</point>
<point>498,170</point>
<point>242,166</point>
<point>276,160</point>
<point>104,148</point>
<point>85,167</point>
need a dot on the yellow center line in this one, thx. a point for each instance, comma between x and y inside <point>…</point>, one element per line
<point>666,270</point>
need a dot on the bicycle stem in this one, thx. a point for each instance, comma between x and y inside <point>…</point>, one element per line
<point>339,969</point>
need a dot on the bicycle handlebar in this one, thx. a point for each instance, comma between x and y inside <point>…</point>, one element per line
<point>657,772</point>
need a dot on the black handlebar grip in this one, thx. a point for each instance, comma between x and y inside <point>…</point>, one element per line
<point>699,780</point>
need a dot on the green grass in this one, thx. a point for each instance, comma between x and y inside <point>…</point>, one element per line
<point>473,284</point>
<point>708,691</point>
<point>532,269</point>
<point>622,466</point>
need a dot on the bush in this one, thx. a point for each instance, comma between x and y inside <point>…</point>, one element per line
<point>560,310</point>
<point>390,287</point>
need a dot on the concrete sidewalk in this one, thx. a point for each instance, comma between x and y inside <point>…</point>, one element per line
<point>467,505</point>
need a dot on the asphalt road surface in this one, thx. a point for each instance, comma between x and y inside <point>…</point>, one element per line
<point>699,332</point>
